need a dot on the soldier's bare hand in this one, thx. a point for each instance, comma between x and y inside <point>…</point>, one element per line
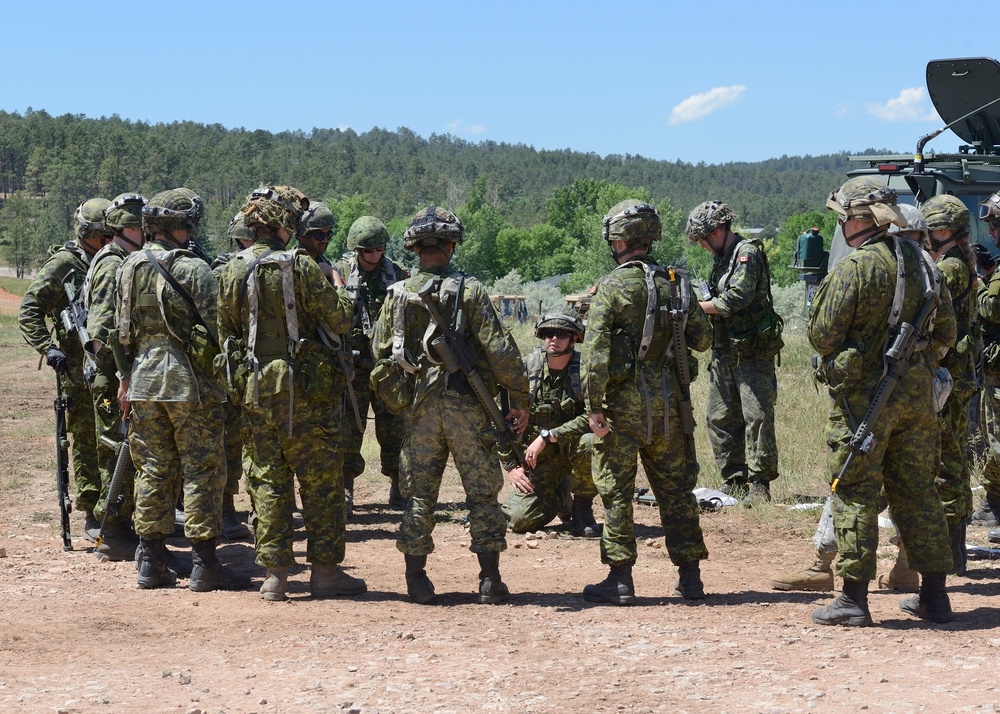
<point>537,447</point>
<point>520,481</point>
<point>598,424</point>
<point>123,402</point>
<point>518,420</point>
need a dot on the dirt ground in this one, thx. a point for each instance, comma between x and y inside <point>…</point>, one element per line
<point>77,636</point>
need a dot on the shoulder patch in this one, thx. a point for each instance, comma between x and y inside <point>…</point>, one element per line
<point>593,289</point>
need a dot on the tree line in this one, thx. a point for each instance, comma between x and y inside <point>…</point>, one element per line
<point>536,212</point>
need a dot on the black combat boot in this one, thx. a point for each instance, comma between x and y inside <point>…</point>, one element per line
<point>209,574</point>
<point>118,542</point>
<point>492,591</point>
<point>91,526</point>
<point>956,533</point>
<point>349,477</point>
<point>396,500</point>
<point>616,589</point>
<point>986,514</point>
<point>153,570</point>
<point>689,585</point>
<point>850,608</point>
<point>584,523</point>
<point>419,587</point>
<point>232,527</point>
<point>565,497</point>
<point>932,603</point>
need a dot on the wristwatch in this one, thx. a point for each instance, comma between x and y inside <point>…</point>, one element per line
<point>547,436</point>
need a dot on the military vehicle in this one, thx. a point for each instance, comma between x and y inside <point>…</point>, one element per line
<point>966,94</point>
<point>511,307</point>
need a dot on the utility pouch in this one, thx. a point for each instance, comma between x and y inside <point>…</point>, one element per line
<point>842,373</point>
<point>201,349</point>
<point>622,363</point>
<point>393,385</point>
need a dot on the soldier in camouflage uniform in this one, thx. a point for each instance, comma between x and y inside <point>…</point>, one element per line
<point>240,238</point>
<point>558,418</point>
<point>633,399</point>
<point>279,318</point>
<point>948,222</point>
<point>46,297</point>
<point>989,314</point>
<point>441,413</point>
<point>853,320</point>
<point>742,387</point>
<point>124,218</point>
<point>368,273</point>
<point>167,324</point>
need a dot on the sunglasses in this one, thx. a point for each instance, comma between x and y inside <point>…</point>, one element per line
<point>369,251</point>
<point>320,236</point>
<point>552,334</point>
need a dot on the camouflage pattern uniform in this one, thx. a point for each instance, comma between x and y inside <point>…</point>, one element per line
<point>445,416</point>
<point>989,314</point>
<point>176,401</point>
<point>627,390</point>
<point>557,408</point>
<point>368,292</point>
<point>293,405</point>
<point>46,298</point>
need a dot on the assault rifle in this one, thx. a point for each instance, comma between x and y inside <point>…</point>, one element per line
<point>897,359</point>
<point>457,356</point>
<point>74,319</point>
<point>123,464</point>
<point>196,247</point>
<point>62,463</point>
<point>681,366</point>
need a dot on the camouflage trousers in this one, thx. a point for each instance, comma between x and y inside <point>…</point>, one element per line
<point>672,476</point>
<point>233,442</point>
<point>311,455</point>
<point>991,429</point>
<point>388,429</point>
<point>81,424</point>
<point>441,424</point>
<point>740,418</point>
<point>954,481</point>
<point>108,418</point>
<point>903,462</point>
<point>177,445</point>
<point>528,512</point>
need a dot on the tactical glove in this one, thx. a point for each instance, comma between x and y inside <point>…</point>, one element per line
<point>55,359</point>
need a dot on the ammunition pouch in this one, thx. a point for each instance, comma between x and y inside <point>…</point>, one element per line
<point>392,385</point>
<point>842,373</point>
<point>621,366</point>
<point>760,337</point>
<point>230,367</point>
<point>201,349</point>
<point>317,370</point>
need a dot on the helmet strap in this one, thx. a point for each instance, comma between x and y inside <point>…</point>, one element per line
<point>121,234</point>
<point>865,235</point>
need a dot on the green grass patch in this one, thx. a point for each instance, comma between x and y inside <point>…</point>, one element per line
<point>16,286</point>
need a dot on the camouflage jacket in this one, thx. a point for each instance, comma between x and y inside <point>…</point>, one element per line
<point>963,358</point>
<point>368,290</point>
<point>988,299</point>
<point>99,292</point>
<point>741,290</point>
<point>851,308</point>
<point>556,399</point>
<point>163,334</point>
<point>287,354</point>
<point>632,390</point>
<point>498,360</point>
<point>46,297</point>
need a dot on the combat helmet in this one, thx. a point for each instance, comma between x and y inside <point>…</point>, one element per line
<point>916,226</point>
<point>238,231</point>
<point>632,221</point>
<point>866,198</point>
<point>125,211</point>
<point>562,320</point>
<point>89,219</point>
<point>175,209</point>
<point>273,208</point>
<point>367,232</point>
<point>318,217</point>
<point>989,210</point>
<point>705,218</point>
<point>432,227</point>
<point>945,211</point>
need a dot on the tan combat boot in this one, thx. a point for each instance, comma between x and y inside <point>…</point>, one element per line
<point>275,585</point>
<point>331,580</point>
<point>900,578</point>
<point>817,577</point>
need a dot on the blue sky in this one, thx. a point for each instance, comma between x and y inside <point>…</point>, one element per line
<point>712,82</point>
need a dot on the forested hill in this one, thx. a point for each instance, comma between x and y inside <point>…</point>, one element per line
<point>57,161</point>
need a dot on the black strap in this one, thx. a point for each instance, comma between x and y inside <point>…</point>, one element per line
<point>182,292</point>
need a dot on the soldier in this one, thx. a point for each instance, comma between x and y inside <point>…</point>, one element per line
<point>369,272</point>
<point>632,376</point>
<point>742,387</point>
<point>240,238</point>
<point>167,324</point>
<point>47,297</point>
<point>442,415</point>
<point>558,418</point>
<point>123,217</point>
<point>989,313</point>
<point>279,317</point>
<point>863,307</point>
<point>948,222</point>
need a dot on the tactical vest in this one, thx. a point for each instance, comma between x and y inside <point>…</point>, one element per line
<point>72,277</point>
<point>756,330</point>
<point>387,273</point>
<point>108,251</point>
<point>147,305</point>
<point>449,294</point>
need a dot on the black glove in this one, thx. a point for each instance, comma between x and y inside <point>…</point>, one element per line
<point>55,359</point>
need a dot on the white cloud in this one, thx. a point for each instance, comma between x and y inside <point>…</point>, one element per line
<point>908,106</point>
<point>343,127</point>
<point>700,105</point>
<point>456,127</point>
<point>843,109</point>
